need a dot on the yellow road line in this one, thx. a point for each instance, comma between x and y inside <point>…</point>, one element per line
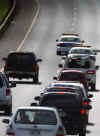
<point>29,30</point>
<point>31,26</point>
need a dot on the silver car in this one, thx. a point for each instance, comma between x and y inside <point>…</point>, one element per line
<point>37,121</point>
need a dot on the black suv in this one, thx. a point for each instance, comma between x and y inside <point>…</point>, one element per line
<point>71,109</point>
<point>22,65</point>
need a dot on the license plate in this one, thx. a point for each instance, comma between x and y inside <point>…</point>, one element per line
<point>35,133</point>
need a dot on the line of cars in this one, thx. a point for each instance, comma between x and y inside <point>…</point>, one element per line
<point>68,97</point>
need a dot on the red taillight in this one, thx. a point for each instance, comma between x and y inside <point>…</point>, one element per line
<point>60,132</point>
<point>82,111</point>
<point>5,67</point>
<point>85,103</point>
<point>35,68</point>
<point>8,92</point>
<point>11,134</point>
<point>91,71</point>
<point>61,93</point>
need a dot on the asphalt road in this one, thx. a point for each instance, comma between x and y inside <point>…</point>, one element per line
<point>56,17</point>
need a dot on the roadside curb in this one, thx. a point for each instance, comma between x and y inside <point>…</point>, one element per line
<point>8,17</point>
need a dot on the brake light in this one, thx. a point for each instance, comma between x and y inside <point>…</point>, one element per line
<point>35,68</point>
<point>91,72</point>
<point>82,111</point>
<point>11,134</point>
<point>8,92</point>
<point>85,103</point>
<point>61,93</point>
<point>60,131</point>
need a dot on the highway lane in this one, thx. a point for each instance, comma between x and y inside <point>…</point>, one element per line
<point>56,17</point>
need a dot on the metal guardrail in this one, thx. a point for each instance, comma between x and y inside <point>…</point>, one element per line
<point>8,17</point>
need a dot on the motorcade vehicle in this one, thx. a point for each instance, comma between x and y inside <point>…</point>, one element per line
<point>6,94</point>
<point>66,41</point>
<point>76,63</point>
<point>22,65</point>
<point>84,56</point>
<point>35,121</point>
<point>71,110</point>
<point>72,75</point>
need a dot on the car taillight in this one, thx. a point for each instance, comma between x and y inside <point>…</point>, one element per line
<point>83,111</point>
<point>60,131</point>
<point>8,92</point>
<point>5,67</point>
<point>85,103</point>
<point>59,44</point>
<point>91,71</point>
<point>10,134</point>
<point>35,68</point>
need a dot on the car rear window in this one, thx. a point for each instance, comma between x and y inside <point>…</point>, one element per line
<point>61,100</point>
<point>42,117</point>
<point>70,76</point>
<point>20,58</point>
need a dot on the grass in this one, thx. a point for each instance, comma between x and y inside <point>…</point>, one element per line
<point>4,7</point>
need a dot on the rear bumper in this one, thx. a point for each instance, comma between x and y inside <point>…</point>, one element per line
<point>17,74</point>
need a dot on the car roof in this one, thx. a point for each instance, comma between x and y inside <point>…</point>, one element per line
<point>35,107</point>
<point>81,47</point>
<point>74,36</point>
<point>74,83</point>
<point>72,70</point>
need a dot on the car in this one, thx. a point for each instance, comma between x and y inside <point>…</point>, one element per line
<point>22,65</point>
<point>37,121</point>
<point>82,63</point>
<point>66,41</point>
<point>72,75</point>
<point>70,86</point>
<point>6,94</point>
<point>83,56</point>
<point>71,109</point>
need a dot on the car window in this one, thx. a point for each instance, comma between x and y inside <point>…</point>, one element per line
<point>70,76</point>
<point>42,117</point>
<point>64,39</point>
<point>81,51</point>
<point>61,100</point>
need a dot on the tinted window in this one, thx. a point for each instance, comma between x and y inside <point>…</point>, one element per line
<point>61,100</point>
<point>21,59</point>
<point>42,117</point>
<point>70,76</point>
<point>70,39</point>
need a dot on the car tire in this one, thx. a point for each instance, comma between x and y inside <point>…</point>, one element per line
<point>8,110</point>
<point>82,131</point>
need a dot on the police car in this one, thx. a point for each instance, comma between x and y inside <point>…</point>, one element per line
<point>66,42</point>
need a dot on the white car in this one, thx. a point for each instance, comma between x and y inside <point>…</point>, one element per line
<point>37,121</point>
<point>66,42</point>
<point>83,56</point>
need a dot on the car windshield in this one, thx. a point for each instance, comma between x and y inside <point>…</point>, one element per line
<point>81,51</point>
<point>70,39</point>
<point>42,117</point>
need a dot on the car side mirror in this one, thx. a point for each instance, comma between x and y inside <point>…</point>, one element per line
<point>96,67</point>
<point>56,40</point>
<point>6,121</point>
<point>88,107</point>
<point>54,78</point>
<point>60,65</point>
<point>38,60</point>
<point>37,98</point>
<point>4,58</point>
<point>90,95</point>
<point>33,104</point>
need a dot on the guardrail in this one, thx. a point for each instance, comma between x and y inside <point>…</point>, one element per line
<point>8,17</point>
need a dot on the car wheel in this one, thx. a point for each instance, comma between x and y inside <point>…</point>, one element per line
<point>82,131</point>
<point>8,110</point>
